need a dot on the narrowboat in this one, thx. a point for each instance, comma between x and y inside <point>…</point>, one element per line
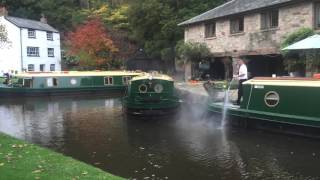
<point>284,100</point>
<point>67,82</point>
<point>151,94</point>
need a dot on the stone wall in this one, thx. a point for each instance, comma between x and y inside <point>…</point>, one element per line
<point>254,41</point>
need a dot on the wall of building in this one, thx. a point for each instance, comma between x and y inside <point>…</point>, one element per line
<point>10,53</point>
<point>253,40</point>
<point>43,44</point>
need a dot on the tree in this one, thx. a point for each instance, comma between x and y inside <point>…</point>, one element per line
<point>4,40</point>
<point>92,45</point>
<point>194,53</point>
<point>302,60</point>
<point>154,24</point>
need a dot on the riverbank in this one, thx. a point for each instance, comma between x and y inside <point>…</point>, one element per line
<point>21,160</point>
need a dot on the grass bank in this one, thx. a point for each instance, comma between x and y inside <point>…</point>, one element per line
<point>21,160</point>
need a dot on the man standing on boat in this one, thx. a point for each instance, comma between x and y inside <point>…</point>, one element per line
<point>242,76</point>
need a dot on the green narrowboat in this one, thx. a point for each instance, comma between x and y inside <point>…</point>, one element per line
<point>292,101</point>
<point>151,94</point>
<point>66,82</point>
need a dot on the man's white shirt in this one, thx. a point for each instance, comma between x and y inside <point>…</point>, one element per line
<point>243,71</point>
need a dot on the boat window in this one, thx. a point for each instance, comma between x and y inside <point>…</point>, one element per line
<point>126,79</point>
<point>27,83</point>
<point>108,80</point>
<point>55,82</point>
<point>143,88</point>
<point>158,88</point>
<point>272,99</point>
<point>73,81</point>
<point>51,82</point>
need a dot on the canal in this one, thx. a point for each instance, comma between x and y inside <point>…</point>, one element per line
<point>187,146</point>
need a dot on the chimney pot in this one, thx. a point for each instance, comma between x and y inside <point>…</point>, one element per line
<point>3,11</point>
<point>43,19</point>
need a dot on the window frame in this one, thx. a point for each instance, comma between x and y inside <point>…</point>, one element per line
<point>44,67</point>
<point>49,36</point>
<point>50,52</point>
<point>33,51</point>
<point>32,34</point>
<point>110,80</point>
<point>269,19</point>
<point>237,21</point>
<point>29,68</point>
<point>126,79</point>
<point>210,29</point>
<point>54,67</point>
<point>317,15</point>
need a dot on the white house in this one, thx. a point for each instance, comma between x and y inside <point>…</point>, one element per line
<point>33,45</point>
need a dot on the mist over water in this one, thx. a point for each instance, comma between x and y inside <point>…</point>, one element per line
<point>188,145</point>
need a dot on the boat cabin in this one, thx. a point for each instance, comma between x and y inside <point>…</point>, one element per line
<point>73,79</point>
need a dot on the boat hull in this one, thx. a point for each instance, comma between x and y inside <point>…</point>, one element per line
<point>18,92</point>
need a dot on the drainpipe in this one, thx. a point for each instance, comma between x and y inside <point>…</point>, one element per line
<point>21,52</point>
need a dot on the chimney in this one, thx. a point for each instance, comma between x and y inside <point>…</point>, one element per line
<point>43,19</point>
<point>3,11</point>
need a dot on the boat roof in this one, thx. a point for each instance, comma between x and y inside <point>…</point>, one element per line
<point>78,73</point>
<point>152,76</point>
<point>285,81</point>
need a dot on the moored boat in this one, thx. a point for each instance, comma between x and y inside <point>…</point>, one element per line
<point>291,101</point>
<point>151,94</point>
<point>66,82</point>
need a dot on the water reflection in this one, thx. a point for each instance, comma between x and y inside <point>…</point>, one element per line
<point>190,145</point>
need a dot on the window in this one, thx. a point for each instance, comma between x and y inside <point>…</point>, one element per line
<point>50,36</point>
<point>126,79</point>
<point>30,67</point>
<point>27,83</point>
<point>270,19</point>
<point>108,81</point>
<point>237,25</point>
<point>42,67</point>
<point>33,51</point>
<point>317,13</point>
<point>52,67</point>
<point>31,33</point>
<point>210,30</point>
<point>50,52</point>
<point>52,82</point>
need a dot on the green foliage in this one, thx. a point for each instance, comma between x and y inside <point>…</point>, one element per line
<point>297,36</point>
<point>192,51</point>
<point>295,61</point>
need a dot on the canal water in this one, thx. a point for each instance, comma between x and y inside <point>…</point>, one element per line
<point>187,146</point>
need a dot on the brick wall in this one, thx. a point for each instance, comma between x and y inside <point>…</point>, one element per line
<point>253,40</point>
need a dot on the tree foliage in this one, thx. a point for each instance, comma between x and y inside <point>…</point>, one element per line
<point>91,44</point>
<point>295,61</point>
<point>4,40</point>
<point>192,51</point>
<point>132,24</point>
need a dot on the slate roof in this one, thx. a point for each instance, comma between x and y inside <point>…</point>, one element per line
<point>30,24</point>
<point>234,7</point>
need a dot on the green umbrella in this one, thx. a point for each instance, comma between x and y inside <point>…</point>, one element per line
<point>312,42</point>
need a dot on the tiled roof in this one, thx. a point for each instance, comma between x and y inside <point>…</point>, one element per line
<point>234,7</point>
<point>30,24</point>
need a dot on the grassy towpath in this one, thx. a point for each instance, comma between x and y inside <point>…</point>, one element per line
<point>21,160</point>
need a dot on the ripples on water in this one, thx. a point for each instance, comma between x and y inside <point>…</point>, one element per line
<point>190,145</point>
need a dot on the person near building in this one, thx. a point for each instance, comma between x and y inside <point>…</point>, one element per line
<point>242,76</point>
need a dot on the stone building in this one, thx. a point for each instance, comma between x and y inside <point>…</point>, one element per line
<point>253,29</point>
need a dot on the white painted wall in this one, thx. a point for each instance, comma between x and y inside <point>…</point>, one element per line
<point>14,56</point>
<point>10,54</point>
<point>43,44</point>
